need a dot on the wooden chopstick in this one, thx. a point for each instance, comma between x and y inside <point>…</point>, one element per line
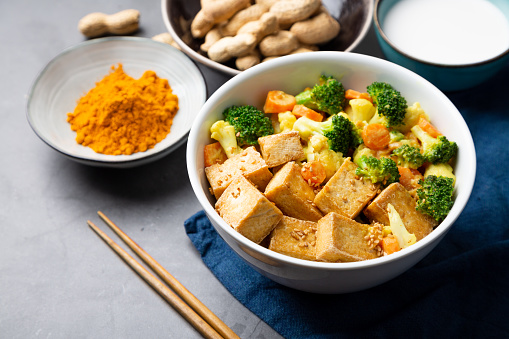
<point>180,306</point>
<point>177,287</point>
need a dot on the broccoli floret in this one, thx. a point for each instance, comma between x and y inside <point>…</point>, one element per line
<point>434,197</point>
<point>225,134</point>
<point>341,133</point>
<point>382,170</point>
<point>344,136</point>
<point>396,135</point>
<point>390,104</point>
<point>435,150</point>
<point>327,96</point>
<point>409,156</point>
<point>249,122</point>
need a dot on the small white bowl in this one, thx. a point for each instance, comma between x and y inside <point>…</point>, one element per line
<point>75,71</point>
<point>292,74</point>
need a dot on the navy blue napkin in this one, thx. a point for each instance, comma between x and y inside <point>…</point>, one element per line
<point>461,289</point>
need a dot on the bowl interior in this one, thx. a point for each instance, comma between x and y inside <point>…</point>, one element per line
<point>291,74</point>
<point>75,71</point>
<point>410,48</point>
<point>354,17</point>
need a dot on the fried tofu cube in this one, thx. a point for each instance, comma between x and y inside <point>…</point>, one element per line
<point>292,194</point>
<point>339,239</point>
<point>248,163</point>
<point>345,193</point>
<point>415,222</point>
<point>295,238</point>
<point>247,210</point>
<point>278,149</point>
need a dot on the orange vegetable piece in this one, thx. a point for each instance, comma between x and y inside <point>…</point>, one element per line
<point>389,245</point>
<point>279,102</point>
<point>353,94</point>
<point>214,154</point>
<point>313,172</point>
<point>428,127</point>
<point>376,136</point>
<point>303,111</point>
<point>409,177</point>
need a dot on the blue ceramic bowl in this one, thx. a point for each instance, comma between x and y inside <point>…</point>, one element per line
<point>447,77</point>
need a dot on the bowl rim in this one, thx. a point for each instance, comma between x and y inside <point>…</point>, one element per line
<point>376,20</point>
<point>194,177</point>
<point>142,159</point>
<point>232,71</point>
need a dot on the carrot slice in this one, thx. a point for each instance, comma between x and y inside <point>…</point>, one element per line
<point>409,177</point>
<point>376,136</point>
<point>303,111</point>
<point>389,245</point>
<point>214,154</point>
<point>279,102</point>
<point>313,172</point>
<point>428,127</point>
<point>353,94</point>
<point>405,177</point>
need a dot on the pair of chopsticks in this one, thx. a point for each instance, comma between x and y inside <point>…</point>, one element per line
<point>183,301</point>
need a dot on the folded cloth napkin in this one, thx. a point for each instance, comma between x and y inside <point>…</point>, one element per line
<point>461,289</point>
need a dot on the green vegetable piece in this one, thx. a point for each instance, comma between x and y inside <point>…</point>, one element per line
<point>434,197</point>
<point>341,133</point>
<point>383,170</point>
<point>249,122</point>
<point>409,156</point>
<point>327,96</point>
<point>435,150</point>
<point>390,104</point>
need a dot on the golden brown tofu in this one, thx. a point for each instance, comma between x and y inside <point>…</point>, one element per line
<point>415,222</point>
<point>339,238</point>
<point>248,163</point>
<point>278,149</point>
<point>295,238</point>
<point>247,210</point>
<point>345,193</point>
<point>291,193</point>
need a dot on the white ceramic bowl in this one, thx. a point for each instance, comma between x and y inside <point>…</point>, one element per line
<point>75,71</point>
<point>291,74</point>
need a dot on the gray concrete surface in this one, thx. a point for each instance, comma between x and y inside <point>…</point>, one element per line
<point>57,278</point>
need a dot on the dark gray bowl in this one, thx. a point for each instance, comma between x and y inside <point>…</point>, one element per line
<point>354,16</point>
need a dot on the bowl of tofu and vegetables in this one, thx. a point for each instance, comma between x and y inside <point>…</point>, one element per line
<point>331,172</point>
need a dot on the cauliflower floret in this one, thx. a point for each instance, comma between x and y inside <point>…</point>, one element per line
<point>318,149</point>
<point>412,115</point>
<point>361,110</point>
<point>223,132</point>
<point>398,229</point>
<point>286,121</point>
<point>441,169</point>
<point>362,150</point>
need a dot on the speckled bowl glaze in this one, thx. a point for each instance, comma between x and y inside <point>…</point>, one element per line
<point>291,74</point>
<point>445,77</point>
<point>354,16</point>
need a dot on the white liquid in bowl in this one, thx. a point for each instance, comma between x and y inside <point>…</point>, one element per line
<point>452,32</point>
